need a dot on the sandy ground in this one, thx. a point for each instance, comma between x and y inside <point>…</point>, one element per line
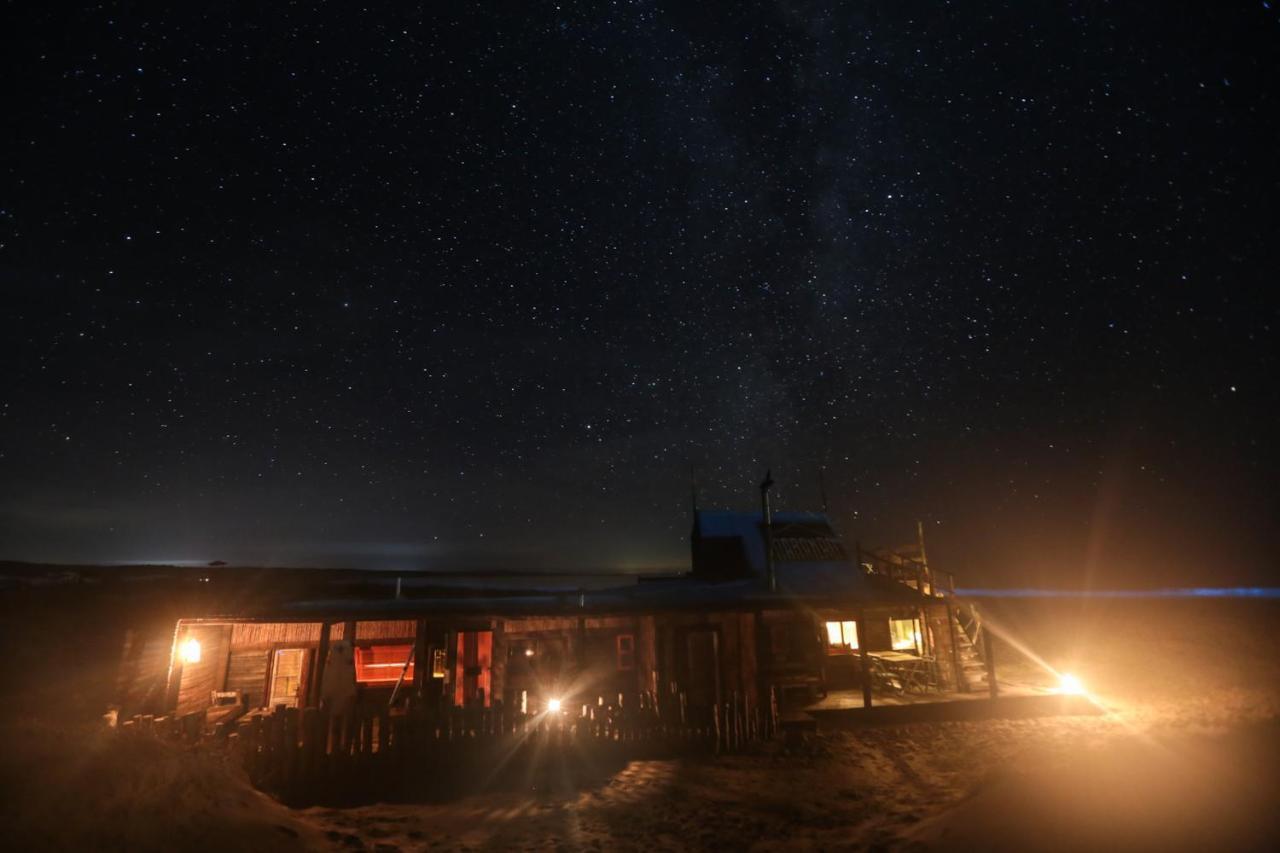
<point>1188,757</point>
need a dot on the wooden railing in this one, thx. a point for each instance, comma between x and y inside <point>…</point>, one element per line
<point>909,572</point>
<point>308,755</point>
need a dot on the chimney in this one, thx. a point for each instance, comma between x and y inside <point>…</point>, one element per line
<point>767,514</point>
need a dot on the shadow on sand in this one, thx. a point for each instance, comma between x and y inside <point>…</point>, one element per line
<point>1000,708</point>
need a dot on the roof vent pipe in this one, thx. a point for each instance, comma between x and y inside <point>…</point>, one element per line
<point>767,514</point>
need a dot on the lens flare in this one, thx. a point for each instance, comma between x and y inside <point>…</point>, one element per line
<point>190,651</point>
<point>1070,685</point>
<point>553,705</point>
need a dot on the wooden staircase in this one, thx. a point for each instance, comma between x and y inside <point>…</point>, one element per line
<point>970,637</point>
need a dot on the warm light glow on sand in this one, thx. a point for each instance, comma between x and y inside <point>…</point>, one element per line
<point>1070,685</point>
<point>189,651</point>
<point>553,705</point>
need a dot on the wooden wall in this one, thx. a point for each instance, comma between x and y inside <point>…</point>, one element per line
<point>198,680</point>
<point>247,672</point>
<point>399,629</point>
<point>247,635</point>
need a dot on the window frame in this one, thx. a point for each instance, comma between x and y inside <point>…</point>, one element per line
<point>392,668</point>
<point>295,699</point>
<point>848,629</point>
<point>912,637</point>
<point>625,658</point>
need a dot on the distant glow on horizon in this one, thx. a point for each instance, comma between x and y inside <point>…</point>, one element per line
<point>1175,592</point>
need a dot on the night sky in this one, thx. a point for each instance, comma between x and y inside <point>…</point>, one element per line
<point>443,286</point>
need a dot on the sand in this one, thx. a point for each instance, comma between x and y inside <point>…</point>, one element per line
<point>1187,757</point>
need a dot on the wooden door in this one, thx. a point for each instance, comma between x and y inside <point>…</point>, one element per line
<point>473,675</point>
<point>286,677</point>
<point>702,667</point>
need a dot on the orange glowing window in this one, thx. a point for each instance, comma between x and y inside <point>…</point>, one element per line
<point>626,651</point>
<point>383,664</point>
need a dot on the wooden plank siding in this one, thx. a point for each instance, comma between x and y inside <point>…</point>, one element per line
<point>247,673</point>
<point>199,680</point>
<point>398,629</point>
<point>264,635</point>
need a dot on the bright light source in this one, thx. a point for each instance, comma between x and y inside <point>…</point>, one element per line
<point>553,705</point>
<point>189,651</point>
<point>1069,684</point>
<point>528,652</point>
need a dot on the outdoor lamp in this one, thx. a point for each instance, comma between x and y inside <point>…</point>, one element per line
<point>1070,685</point>
<point>189,651</point>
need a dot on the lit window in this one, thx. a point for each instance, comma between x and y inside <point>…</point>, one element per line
<point>286,677</point>
<point>383,664</point>
<point>905,633</point>
<point>842,635</point>
<point>626,651</point>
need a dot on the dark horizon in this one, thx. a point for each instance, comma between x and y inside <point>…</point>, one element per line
<point>439,289</point>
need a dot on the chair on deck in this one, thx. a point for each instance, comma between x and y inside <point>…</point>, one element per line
<point>920,675</point>
<point>885,679</point>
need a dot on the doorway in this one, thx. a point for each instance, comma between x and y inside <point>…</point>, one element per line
<point>473,673</point>
<point>286,677</point>
<point>702,667</point>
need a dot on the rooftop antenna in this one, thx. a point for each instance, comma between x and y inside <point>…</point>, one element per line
<point>767,513</point>
<point>693,489</point>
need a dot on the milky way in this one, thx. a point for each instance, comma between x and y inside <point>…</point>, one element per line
<point>390,288</point>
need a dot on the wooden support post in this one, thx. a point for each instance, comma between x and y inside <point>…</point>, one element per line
<point>173,681</point>
<point>957,670</point>
<point>715,723</point>
<point>423,662</point>
<point>924,560</point>
<point>764,659</point>
<point>226,659</point>
<point>314,693</point>
<point>451,667</point>
<point>989,658</point>
<point>498,663</point>
<point>861,632</point>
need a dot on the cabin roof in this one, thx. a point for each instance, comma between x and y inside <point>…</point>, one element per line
<point>799,539</point>
<point>799,585</point>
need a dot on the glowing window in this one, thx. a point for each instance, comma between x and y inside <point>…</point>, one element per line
<point>286,677</point>
<point>383,664</point>
<point>626,651</point>
<point>842,635</point>
<point>905,633</point>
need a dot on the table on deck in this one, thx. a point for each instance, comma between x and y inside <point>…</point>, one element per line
<point>914,671</point>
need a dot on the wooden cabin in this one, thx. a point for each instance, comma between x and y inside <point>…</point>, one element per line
<point>786,618</point>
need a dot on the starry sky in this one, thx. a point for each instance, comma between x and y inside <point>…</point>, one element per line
<point>448,285</point>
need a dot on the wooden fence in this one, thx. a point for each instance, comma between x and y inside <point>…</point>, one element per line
<point>308,755</point>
